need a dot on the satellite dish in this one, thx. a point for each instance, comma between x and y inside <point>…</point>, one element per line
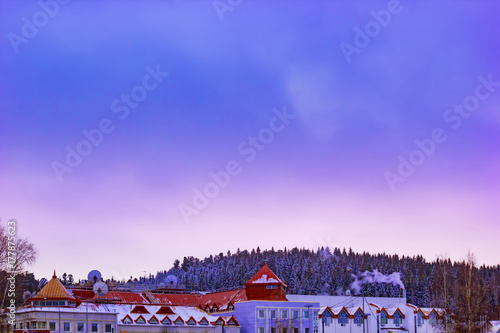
<point>161,285</point>
<point>170,280</point>
<point>42,283</point>
<point>26,295</point>
<point>348,292</point>
<point>100,289</point>
<point>94,276</point>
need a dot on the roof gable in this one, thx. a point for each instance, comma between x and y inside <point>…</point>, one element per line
<point>165,310</point>
<point>264,275</point>
<point>139,309</point>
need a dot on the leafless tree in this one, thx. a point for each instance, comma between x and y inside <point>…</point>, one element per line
<point>24,253</point>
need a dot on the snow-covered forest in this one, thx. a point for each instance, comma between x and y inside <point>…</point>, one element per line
<point>440,283</point>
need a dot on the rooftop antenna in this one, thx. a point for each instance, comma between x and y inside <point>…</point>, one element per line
<point>170,281</point>
<point>100,289</point>
<point>94,276</point>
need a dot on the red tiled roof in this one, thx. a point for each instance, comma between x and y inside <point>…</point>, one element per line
<point>177,299</point>
<point>264,275</point>
<point>223,298</point>
<point>125,297</point>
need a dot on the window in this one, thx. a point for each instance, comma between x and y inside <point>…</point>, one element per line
<point>230,307</point>
<point>306,330</point>
<point>383,319</point>
<point>284,330</point>
<point>420,319</point>
<point>327,318</point>
<point>166,321</point>
<point>284,314</point>
<point>127,320</point>
<point>343,318</point>
<point>398,319</point>
<point>271,287</point>
<point>295,314</point>
<point>191,322</point>
<point>33,325</point>
<point>306,314</point>
<point>153,321</point>
<point>262,329</point>
<point>42,325</point>
<point>261,314</point>
<point>67,327</point>
<point>80,327</point>
<point>108,328</point>
<point>27,326</point>
<point>52,326</point>
<point>295,330</point>
<point>432,319</point>
<point>95,327</point>
<point>358,318</point>
<point>272,314</point>
<point>20,325</point>
<point>140,320</point>
<point>273,329</point>
<point>204,322</point>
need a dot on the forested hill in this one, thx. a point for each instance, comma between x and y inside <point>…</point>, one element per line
<point>440,283</point>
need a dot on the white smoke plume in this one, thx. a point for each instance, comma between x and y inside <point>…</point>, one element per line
<point>375,277</point>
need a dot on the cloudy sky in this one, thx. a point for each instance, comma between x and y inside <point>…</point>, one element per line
<point>132,135</point>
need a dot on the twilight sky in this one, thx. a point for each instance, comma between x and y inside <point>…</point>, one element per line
<point>370,124</point>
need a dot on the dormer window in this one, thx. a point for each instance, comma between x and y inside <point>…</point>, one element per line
<point>343,318</point>
<point>433,319</point>
<point>398,318</point>
<point>420,319</point>
<point>383,318</point>
<point>358,318</point>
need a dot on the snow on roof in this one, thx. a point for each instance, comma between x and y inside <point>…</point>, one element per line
<point>495,326</point>
<point>264,275</point>
<point>184,312</point>
<point>82,308</point>
<point>265,279</point>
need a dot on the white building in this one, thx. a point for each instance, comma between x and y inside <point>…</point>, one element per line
<point>55,310</point>
<point>344,314</point>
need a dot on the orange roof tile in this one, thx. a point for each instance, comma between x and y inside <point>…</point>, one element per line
<point>54,289</point>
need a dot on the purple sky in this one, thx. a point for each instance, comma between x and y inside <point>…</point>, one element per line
<point>316,178</point>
